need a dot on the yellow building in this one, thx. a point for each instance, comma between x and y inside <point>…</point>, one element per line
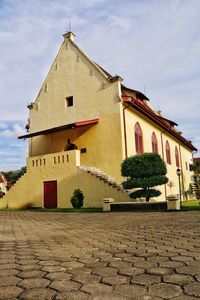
<point>83,107</point>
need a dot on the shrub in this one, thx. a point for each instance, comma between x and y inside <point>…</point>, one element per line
<point>144,171</point>
<point>77,198</point>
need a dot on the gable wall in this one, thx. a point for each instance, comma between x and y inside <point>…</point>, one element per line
<point>94,97</point>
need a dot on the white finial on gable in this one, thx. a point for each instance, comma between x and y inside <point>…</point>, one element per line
<point>69,36</point>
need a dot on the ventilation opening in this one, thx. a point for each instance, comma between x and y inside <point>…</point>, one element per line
<point>69,101</point>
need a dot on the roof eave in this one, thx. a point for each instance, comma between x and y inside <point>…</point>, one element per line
<point>60,128</point>
<point>161,124</point>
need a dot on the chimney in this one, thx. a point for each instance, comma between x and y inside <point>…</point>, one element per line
<point>69,36</point>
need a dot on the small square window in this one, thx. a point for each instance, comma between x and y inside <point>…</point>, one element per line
<point>69,101</point>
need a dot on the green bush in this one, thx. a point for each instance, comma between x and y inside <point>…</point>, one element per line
<point>77,198</point>
<point>144,171</point>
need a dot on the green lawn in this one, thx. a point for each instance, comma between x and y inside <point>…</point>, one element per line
<point>191,205</point>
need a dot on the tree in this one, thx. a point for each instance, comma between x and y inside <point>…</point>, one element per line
<point>13,176</point>
<point>144,171</point>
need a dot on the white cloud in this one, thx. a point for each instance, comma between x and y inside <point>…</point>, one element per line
<point>15,131</point>
<point>3,125</point>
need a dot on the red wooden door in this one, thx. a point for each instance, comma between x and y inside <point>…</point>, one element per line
<point>50,194</point>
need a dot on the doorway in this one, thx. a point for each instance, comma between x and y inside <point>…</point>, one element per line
<point>50,194</point>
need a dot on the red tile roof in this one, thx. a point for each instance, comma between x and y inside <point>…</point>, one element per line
<point>60,128</point>
<point>143,108</point>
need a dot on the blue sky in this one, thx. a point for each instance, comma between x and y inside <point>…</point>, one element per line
<point>153,44</point>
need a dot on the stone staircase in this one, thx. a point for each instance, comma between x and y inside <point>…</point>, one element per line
<point>111,181</point>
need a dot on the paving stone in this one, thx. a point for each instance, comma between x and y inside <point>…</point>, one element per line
<point>145,264</point>
<point>115,279</point>
<point>182,258</point>
<point>96,288</point>
<point>98,264</point>
<point>157,258</point>
<point>88,260</point>
<point>193,289</point>
<point>131,271</point>
<point>185,297</point>
<point>32,274</point>
<point>25,257</point>
<point>132,248</point>
<point>53,269</point>
<point>38,294</point>
<point>129,290</point>
<point>159,271</point>
<point>59,276</point>
<point>105,271</point>
<point>75,295</point>
<point>80,271</point>
<point>7,261</point>
<point>34,283</point>
<point>171,264</point>
<point>10,272</point>
<point>27,261</point>
<point>165,290</point>
<point>110,297</point>
<point>134,259</point>
<point>65,285</point>
<point>87,278</point>
<point>9,292</point>
<point>49,263</point>
<point>28,267</point>
<point>188,270</point>
<point>193,264</point>
<point>177,278</point>
<point>197,277</point>
<point>11,280</point>
<point>145,279</point>
<point>72,264</point>
<point>8,266</point>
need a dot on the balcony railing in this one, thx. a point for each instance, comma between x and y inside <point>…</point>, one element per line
<point>53,159</point>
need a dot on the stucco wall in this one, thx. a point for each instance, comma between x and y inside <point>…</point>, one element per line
<point>62,167</point>
<point>72,74</point>
<point>185,154</point>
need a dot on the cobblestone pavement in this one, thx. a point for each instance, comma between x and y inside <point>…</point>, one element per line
<point>99,256</point>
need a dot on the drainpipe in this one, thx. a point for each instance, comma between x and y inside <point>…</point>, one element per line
<point>183,188</point>
<point>193,153</point>
<point>161,137</point>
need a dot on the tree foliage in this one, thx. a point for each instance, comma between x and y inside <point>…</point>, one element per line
<point>144,171</point>
<point>77,198</point>
<point>13,176</point>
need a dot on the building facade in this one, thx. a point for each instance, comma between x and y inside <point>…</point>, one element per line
<point>81,104</point>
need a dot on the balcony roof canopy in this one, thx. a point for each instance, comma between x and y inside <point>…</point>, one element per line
<point>60,128</point>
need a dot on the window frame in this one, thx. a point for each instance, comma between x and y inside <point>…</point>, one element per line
<point>177,159</point>
<point>154,143</point>
<point>168,153</point>
<point>138,138</point>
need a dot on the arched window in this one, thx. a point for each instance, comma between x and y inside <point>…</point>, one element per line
<point>154,143</point>
<point>168,154</point>
<point>138,138</point>
<point>177,157</point>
